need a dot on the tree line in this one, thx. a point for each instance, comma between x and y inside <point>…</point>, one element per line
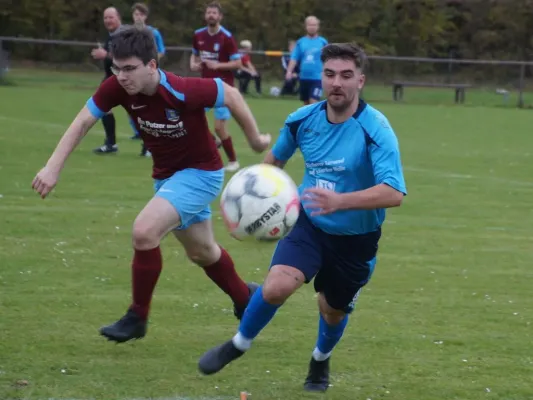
<point>468,29</point>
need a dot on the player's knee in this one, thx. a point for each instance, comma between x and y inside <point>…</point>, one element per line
<point>331,314</point>
<point>333,318</point>
<point>144,236</point>
<point>282,281</point>
<point>204,254</point>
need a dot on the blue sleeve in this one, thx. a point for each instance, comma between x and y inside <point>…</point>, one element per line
<point>286,144</point>
<point>296,52</point>
<point>159,42</point>
<point>385,157</point>
<point>93,108</point>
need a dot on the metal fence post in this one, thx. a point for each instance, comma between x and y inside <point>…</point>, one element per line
<point>521,85</point>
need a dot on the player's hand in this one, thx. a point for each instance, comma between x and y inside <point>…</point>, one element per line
<point>321,201</point>
<point>99,53</point>
<point>262,143</point>
<point>45,180</point>
<point>211,64</point>
<point>196,66</point>
<point>288,76</point>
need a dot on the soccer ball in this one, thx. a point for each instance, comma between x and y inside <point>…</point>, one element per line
<point>261,202</point>
<point>275,91</point>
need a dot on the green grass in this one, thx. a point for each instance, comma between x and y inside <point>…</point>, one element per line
<point>447,314</point>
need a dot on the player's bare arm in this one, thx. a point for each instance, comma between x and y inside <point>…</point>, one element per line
<point>99,53</point>
<point>195,63</point>
<point>290,68</point>
<point>272,160</point>
<point>47,177</point>
<point>244,117</point>
<point>224,66</point>
<point>324,201</point>
<point>379,196</point>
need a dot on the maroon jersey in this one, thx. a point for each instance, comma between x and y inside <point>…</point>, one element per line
<point>172,122</point>
<point>219,47</point>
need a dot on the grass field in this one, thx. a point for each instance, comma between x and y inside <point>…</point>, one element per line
<point>447,314</point>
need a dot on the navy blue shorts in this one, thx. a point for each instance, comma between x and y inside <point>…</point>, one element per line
<point>310,89</point>
<point>340,264</point>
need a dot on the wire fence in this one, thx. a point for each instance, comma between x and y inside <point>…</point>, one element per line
<point>389,78</point>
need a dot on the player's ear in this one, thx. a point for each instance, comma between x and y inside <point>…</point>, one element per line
<point>361,83</point>
<point>153,65</point>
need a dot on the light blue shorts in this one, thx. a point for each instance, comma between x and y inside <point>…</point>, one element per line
<point>221,113</point>
<point>191,191</point>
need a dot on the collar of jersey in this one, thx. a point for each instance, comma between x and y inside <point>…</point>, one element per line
<point>360,108</point>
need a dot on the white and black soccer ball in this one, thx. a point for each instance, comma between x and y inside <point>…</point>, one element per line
<point>275,91</point>
<point>260,201</point>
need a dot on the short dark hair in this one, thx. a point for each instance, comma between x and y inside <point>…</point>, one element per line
<point>141,7</point>
<point>215,4</point>
<point>134,42</point>
<point>345,51</point>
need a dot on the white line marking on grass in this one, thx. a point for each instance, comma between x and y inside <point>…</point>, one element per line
<point>426,171</point>
<point>62,127</point>
<point>451,175</point>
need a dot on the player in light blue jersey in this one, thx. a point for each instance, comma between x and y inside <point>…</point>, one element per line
<point>353,172</point>
<point>306,54</point>
<point>140,13</point>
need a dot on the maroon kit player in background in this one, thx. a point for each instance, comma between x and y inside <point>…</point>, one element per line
<point>169,112</point>
<point>215,54</point>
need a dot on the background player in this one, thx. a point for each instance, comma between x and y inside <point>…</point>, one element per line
<point>112,23</point>
<point>215,54</point>
<point>140,13</point>
<point>188,173</point>
<point>335,239</point>
<point>306,54</point>
<point>290,87</point>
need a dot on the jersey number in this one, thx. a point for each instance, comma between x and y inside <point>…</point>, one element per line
<point>317,93</point>
<point>323,184</point>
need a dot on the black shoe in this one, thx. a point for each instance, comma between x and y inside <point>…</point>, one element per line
<point>318,376</point>
<point>218,357</point>
<point>239,312</point>
<point>130,326</point>
<point>106,149</point>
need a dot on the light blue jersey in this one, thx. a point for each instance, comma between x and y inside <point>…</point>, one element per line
<point>307,54</point>
<point>355,155</point>
<point>158,40</point>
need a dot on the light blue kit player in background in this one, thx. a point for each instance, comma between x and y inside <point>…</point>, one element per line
<point>140,12</point>
<point>353,172</point>
<point>306,54</point>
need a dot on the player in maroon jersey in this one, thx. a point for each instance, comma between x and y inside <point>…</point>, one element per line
<point>169,112</point>
<point>215,54</point>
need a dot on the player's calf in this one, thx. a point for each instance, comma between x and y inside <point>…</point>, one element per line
<point>280,283</point>
<point>152,223</point>
<point>202,249</point>
<point>333,320</point>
